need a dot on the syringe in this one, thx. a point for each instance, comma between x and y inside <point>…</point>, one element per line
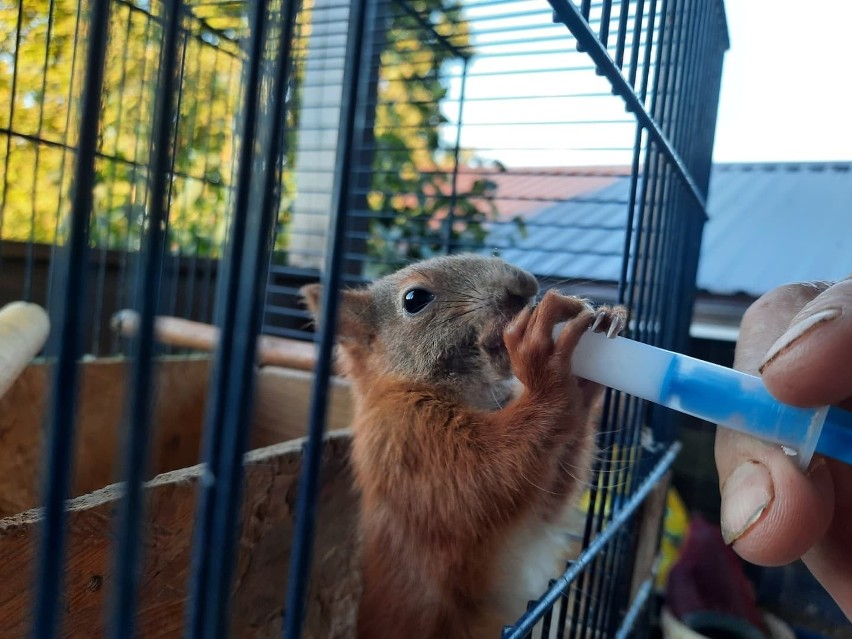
<point>715,393</point>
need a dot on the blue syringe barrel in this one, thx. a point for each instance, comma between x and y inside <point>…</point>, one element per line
<point>836,438</point>
<point>714,393</point>
<point>741,402</point>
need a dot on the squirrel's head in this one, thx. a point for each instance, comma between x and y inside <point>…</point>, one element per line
<point>439,321</point>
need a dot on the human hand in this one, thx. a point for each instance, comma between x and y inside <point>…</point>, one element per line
<point>799,338</point>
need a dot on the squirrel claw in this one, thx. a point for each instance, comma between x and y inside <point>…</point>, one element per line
<point>614,328</point>
<point>611,320</point>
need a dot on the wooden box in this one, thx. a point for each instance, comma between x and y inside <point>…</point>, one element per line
<point>270,487</point>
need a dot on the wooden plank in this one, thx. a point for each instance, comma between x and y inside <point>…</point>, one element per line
<point>264,549</point>
<point>283,404</point>
<point>181,393</point>
<point>647,545</point>
<point>281,414</point>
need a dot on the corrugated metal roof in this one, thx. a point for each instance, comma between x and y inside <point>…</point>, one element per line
<point>580,238</point>
<point>525,191</point>
<point>771,224</point>
<point>768,224</point>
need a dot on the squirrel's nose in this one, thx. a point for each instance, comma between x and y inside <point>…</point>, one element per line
<point>525,285</point>
<point>520,290</point>
<point>516,302</point>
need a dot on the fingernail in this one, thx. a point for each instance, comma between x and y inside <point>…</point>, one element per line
<point>816,463</point>
<point>746,495</point>
<point>800,327</point>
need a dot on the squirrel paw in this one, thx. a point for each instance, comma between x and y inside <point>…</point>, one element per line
<point>538,360</point>
<point>610,319</point>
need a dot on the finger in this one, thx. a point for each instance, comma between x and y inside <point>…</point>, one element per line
<point>767,319</point>
<point>830,561</point>
<point>517,328</point>
<point>555,308</point>
<point>763,323</point>
<point>811,363</point>
<point>771,511</point>
<point>573,330</point>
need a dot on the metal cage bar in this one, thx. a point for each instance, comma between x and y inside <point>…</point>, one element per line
<point>668,192</point>
<point>355,87</point>
<point>572,18</point>
<point>240,302</point>
<point>69,311</point>
<point>661,59</point>
<point>138,436</point>
<point>527,622</point>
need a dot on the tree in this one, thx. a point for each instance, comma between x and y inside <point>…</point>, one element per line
<point>421,208</point>
<point>42,64</point>
<point>42,53</point>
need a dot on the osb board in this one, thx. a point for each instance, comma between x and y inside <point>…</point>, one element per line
<point>177,423</point>
<point>281,414</point>
<point>266,535</point>
<point>647,545</point>
<point>283,403</point>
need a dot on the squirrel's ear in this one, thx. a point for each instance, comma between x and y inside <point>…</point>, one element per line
<point>312,293</point>
<point>353,310</point>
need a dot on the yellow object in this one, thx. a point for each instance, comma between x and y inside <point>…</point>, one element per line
<point>675,523</point>
<point>675,520</point>
<point>615,478</point>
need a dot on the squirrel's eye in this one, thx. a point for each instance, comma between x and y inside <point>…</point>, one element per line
<point>416,300</point>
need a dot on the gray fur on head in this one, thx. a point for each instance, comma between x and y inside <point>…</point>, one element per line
<point>454,340</point>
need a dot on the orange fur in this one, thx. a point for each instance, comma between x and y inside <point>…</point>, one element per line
<point>447,476</point>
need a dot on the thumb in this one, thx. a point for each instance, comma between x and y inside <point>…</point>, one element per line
<point>771,512</point>
<point>811,363</point>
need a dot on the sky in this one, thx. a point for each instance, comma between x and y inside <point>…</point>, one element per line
<point>787,84</point>
<point>786,92</point>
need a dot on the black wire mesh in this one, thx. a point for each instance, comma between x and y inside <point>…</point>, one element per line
<point>43,72</point>
<point>205,159</point>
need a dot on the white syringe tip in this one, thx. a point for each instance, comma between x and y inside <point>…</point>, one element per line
<point>622,364</point>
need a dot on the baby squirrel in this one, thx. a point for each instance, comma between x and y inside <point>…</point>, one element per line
<point>463,473</point>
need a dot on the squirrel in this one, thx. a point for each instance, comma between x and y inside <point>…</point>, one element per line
<point>471,438</point>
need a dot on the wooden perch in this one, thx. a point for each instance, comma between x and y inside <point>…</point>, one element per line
<point>183,333</point>
<point>23,331</point>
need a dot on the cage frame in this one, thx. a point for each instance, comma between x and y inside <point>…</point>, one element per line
<point>674,166</point>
